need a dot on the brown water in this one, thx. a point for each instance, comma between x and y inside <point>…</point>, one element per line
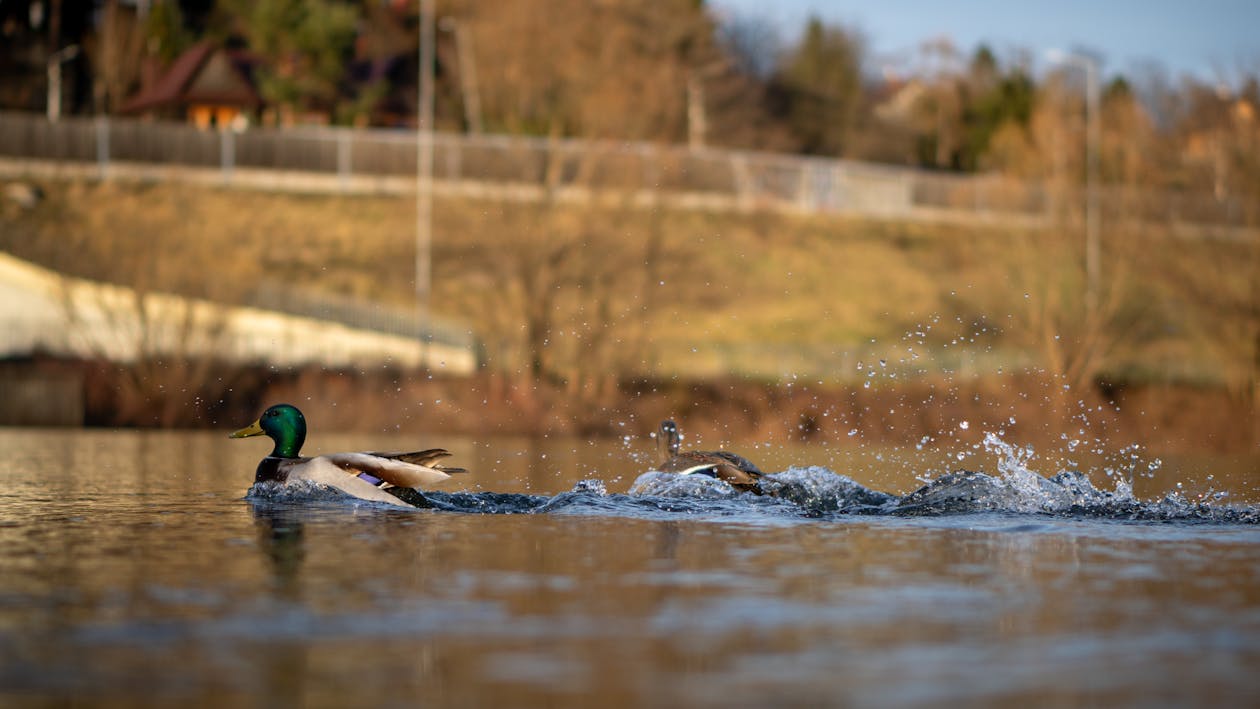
<point>134,572</point>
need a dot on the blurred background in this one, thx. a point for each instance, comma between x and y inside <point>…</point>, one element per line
<point>575,217</point>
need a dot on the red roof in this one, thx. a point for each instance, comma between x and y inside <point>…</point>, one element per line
<point>172,89</point>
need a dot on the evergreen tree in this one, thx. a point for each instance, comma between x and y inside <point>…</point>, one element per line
<point>1010,99</point>
<point>165,33</point>
<point>305,45</point>
<point>820,86</point>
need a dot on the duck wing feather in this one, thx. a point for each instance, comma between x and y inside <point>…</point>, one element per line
<point>391,470</point>
<point>425,458</point>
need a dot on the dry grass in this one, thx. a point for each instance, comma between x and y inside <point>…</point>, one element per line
<point>727,290</point>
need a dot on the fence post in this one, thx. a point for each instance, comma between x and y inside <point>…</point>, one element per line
<point>102,146</point>
<point>343,158</point>
<point>839,188</point>
<point>743,181</point>
<point>227,154</point>
<point>452,148</point>
<point>804,186</point>
<point>650,171</point>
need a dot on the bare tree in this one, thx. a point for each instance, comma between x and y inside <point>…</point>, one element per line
<point>541,70</point>
<point>164,350</point>
<point>566,300</point>
<point>116,52</point>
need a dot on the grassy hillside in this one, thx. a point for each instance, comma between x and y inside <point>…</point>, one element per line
<point>560,289</point>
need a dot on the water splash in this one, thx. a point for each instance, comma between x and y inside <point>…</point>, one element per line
<point>811,492</point>
<point>658,484</point>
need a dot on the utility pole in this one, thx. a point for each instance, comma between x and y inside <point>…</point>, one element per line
<point>424,165</point>
<point>55,60</point>
<point>1093,138</point>
<point>697,123</point>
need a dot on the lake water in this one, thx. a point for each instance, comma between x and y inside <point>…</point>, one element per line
<point>135,571</point>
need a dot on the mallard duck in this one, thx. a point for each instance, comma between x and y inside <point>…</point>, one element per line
<point>734,469</point>
<point>369,476</point>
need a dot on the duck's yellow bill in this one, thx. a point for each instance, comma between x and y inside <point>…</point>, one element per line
<point>254,429</point>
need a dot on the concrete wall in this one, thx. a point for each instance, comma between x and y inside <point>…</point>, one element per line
<point>29,397</point>
<point>42,311</point>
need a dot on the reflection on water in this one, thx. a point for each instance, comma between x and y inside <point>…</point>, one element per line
<point>133,572</point>
<point>280,538</point>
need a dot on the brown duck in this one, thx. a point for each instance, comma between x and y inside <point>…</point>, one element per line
<point>734,469</point>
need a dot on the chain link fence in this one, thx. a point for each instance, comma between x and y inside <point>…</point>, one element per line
<point>384,160</point>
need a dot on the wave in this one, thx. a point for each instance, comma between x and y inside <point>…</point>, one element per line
<point>809,492</point>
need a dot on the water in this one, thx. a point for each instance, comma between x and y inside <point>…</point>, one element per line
<point>134,571</point>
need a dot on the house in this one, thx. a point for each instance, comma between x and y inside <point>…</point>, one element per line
<point>208,85</point>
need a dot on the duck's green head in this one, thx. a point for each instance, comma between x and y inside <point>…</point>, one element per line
<point>284,424</point>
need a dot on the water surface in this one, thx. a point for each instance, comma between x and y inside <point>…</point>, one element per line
<point>135,571</point>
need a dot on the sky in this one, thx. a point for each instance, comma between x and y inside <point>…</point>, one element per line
<point>1208,39</point>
